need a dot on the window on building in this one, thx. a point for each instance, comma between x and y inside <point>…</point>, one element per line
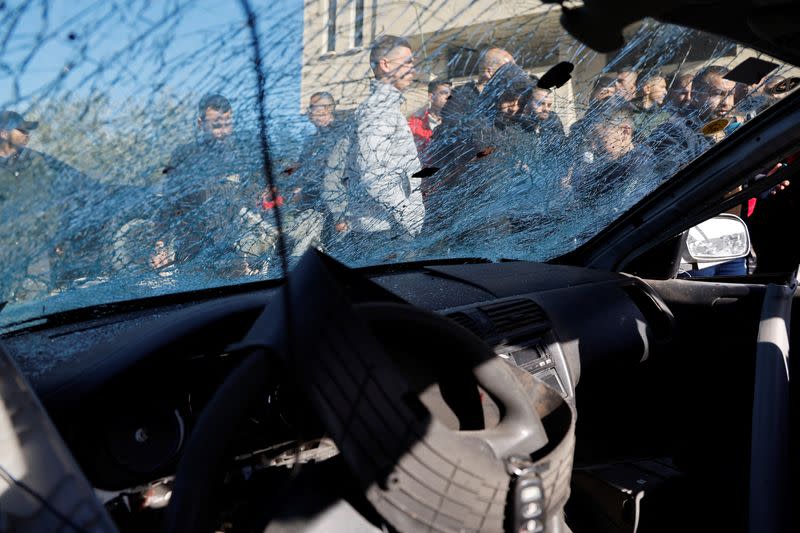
<point>358,34</point>
<point>331,26</point>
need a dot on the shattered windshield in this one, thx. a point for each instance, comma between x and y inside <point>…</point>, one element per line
<point>159,147</point>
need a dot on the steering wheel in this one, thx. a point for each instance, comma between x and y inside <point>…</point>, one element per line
<point>418,450</point>
<point>362,369</point>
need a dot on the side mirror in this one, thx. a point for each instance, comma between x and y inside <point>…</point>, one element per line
<point>716,247</point>
<point>722,238</point>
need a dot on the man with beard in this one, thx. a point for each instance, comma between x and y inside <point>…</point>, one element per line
<point>212,194</point>
<point>546,153</point>
<point>478,133</point>
<point>509,104</point>
<point>693,130</point>
<point>215,132</point>
<point>540,118</point>
<point>384,197</point>
<point>469,202</point>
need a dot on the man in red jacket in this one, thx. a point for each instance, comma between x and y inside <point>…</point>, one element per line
<point>424,122</point>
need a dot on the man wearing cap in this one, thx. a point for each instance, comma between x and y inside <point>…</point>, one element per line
<point>26,209</point>
<point>14,136</point>
<point>59,210</point>
<point>13,121</point>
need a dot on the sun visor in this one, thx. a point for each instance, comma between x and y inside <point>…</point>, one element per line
<point>751,71</point>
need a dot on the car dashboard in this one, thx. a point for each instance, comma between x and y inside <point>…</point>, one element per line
<point>126,417</point>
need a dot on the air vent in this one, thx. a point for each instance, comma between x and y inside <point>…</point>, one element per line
<point>464,321</point>
<point>515,315</point>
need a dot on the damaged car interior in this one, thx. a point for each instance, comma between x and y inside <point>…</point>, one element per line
<point>545,357</point>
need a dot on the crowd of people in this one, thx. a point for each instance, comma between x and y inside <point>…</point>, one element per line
<point>483,158</point>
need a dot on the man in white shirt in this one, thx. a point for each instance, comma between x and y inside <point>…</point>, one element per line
<point>384,200</point>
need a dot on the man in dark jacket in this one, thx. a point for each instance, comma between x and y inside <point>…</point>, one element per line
<point>315,205</point>
<point>648,111</point>
<point>699,125</point>
<point>477,132</point>
<point>27,212</point>
<point>322,114</point>
<point>463,99</point>
<point>487,151</point>
<point>462,106</point>
<point>52,210</point>
<point>213,196</point>
<point>305,179</point>
<point>611,176</point>
<point>541,120</point>
<point>616,169</point>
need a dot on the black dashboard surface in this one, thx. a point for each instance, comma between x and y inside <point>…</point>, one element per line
<point>104,372</point>
<point>513,278</point>
<point>590,312</point>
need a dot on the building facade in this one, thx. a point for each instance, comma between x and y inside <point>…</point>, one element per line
<point>449,36</point>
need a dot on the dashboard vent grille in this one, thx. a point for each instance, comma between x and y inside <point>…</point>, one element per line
<point>515,315</point>
<point>464,321</point>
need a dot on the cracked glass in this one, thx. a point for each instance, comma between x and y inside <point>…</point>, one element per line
<point>151,148</point>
